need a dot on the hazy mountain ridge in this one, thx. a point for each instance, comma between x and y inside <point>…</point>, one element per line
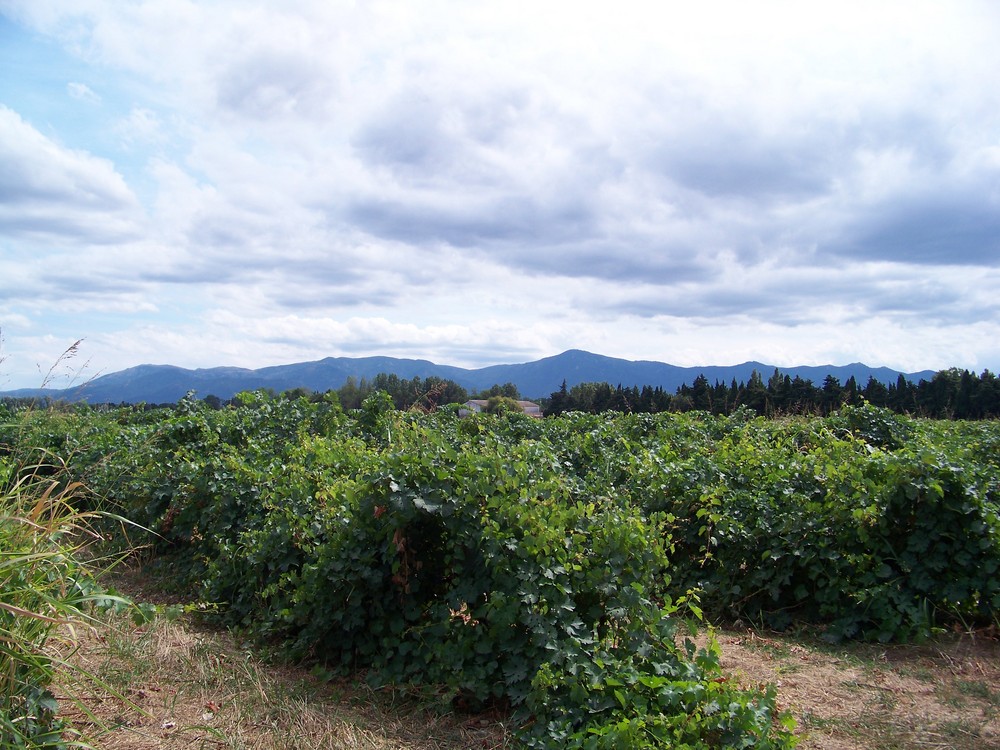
<point>167,383</point>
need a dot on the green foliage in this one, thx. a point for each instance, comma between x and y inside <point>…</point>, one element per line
<point>425,394</point>
<point>507,390</point>
<point>376,415</point>
<point>820,521</point>
<point>501,405</point>
<point>531,563</point>
<point>417,564</point>
<point>936,544</point>
<point>43,586</point>
<point>638,688</point>
<point>880,428</point>
<point>949,394</point>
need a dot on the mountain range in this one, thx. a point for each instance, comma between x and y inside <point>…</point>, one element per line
<point>159,384</point>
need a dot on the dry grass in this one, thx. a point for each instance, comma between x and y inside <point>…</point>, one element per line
<point>940,695</point>
<point>176,684</point>
<point>179,685</point>
<point>172,685</point>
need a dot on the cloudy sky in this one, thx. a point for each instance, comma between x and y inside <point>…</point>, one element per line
<point>237,182</point>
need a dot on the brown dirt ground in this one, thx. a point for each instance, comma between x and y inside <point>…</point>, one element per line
<point>943,694</point>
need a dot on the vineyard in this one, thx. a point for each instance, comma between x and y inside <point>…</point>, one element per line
<point>556,569</point>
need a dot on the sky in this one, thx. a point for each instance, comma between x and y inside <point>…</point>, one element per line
<point>259,182</point>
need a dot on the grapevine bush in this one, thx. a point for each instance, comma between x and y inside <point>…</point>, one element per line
<point>550,565</point>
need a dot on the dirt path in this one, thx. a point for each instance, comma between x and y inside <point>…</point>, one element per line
<point>944,694</point>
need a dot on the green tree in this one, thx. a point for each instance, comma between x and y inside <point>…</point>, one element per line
<point>875,392</point>
<point>213,401</point>
<point>756,393</point>
<point>501,405</point>
<point>438,392</point>
<point>832,393</point>
<point>779,389</point>
<point>701,394</point>
<point>350,394</point>
<point>507,389</point>
<point>558,401</point>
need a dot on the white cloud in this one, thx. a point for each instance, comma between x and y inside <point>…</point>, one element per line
<point>700,183</point>
<point>49,190</point>
<point>140,126</point>
<point>83,92</point>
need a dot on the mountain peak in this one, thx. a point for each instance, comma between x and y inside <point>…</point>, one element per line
<point>167,383</point>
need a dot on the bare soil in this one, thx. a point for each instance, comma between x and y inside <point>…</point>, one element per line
<point>942,694</point>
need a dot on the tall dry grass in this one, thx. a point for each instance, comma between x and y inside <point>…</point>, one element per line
<point>47,594</point>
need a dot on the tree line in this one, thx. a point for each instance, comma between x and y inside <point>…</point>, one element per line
<point>417,393</point>
<point>949,394</point>
<point>423,394</point>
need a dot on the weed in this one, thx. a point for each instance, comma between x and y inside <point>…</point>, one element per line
<point>46,596</point>
<point>978,689</point>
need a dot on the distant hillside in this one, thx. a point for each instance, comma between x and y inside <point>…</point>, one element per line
<point>157,384</point>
